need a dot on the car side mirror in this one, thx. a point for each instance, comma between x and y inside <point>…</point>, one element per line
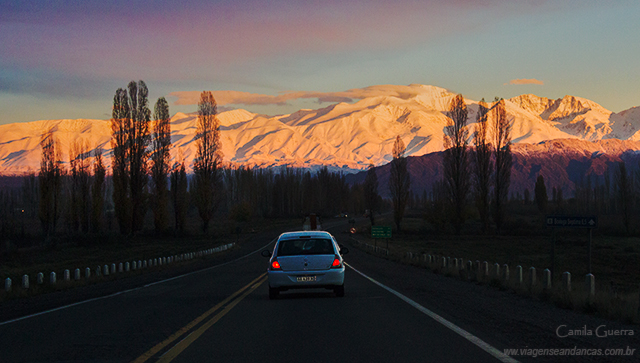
<point>266,253</point>
<point>343,250</point>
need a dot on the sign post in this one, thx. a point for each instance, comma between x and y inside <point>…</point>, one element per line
<point>381,232</point>
<point>589,222</point>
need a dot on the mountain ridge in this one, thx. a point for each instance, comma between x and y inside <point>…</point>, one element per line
<point>343,136</point>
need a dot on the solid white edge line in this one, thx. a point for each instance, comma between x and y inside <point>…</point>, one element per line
<point>465,334</point>
<point>130,290</point>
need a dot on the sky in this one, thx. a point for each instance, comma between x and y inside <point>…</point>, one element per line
<point>64,59</point>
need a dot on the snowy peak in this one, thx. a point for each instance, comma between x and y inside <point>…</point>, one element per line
<point>342,135</point>
<point>532,103</point>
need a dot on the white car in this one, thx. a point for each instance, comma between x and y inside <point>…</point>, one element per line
<point>307,259</point>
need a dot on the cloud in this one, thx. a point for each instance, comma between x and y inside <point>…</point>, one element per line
<point>524,81</point>
<point>246,98</point>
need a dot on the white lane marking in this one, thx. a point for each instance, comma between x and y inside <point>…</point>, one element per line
<point>130,290</point>
<point>465,334</point>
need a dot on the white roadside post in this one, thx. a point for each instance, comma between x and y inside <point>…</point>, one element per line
<point>566,281</point>
<point>120,267</point>
<point>87,273</point>
<point>519,275</point>
<point>106,270</point>
<point>590,284</point>
<point>546,279</point>
<point>52,278</point>
<point>25,282</point>
<point>76,274</point>
<point>40,278</point>
<point>127,267</point>
<point>532,277</point>
<point>7,285</point>
<point>496,271</point>
<point>113,268</point>
<point>485,269</point>
<point>505,273</point>
<point>67,275</point>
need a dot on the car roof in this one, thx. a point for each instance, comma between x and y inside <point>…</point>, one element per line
<point>304,234</point>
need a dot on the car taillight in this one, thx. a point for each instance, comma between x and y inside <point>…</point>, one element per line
<point>336,263</point>
<point>275,265</point>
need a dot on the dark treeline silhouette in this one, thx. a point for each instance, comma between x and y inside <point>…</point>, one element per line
<point>82,199</point>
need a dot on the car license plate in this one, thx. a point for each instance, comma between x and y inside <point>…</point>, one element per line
<point>306,278</point>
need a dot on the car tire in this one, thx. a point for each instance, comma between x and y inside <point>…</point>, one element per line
<point>273,293</point>
<point>339,291</point>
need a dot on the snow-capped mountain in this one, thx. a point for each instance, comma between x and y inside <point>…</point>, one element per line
<point>349,136</point>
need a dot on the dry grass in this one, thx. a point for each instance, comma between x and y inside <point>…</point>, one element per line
<point>615,264</point>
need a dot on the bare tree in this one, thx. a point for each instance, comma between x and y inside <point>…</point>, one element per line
<point>179,196</point>
<point>50,180</point>
<point>120,125</point>
<point>97,192</point>
<point>399,182</point>
<point>624,191</point>
<point>540,194</point>
<point>371,192</point>
<point>79,201</point>
<point>456,160</point>
<point>160,164</point>
<point>208,159</point>
<point>483,165</point>
<point>139,140</point>
<point>502,176</point>
<point>130,141</point>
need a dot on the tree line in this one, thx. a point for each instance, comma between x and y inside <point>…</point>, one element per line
<point>84,198</point>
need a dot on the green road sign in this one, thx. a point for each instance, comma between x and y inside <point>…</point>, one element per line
<point>572,222</point>
<point>381,232</point>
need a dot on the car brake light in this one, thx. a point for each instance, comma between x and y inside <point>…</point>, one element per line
<point>275,265</point>
<point>336,263</point>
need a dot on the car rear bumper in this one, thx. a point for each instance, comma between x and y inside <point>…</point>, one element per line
<point>289,279</point>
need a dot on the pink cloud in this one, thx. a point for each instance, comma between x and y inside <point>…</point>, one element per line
<point>524,81</point>
<point>246,98</point>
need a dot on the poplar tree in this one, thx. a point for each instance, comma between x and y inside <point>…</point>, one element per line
<point>139,140</point>
<point>483,165</point>
<point>456,160</point>
<point>371,192</point>
<point>97,192</point>
<point>624,191</point>
<point>130,133</point>
<point>179,196</point>
<point>399,182</point>
<point>160,164</point>
<point>208,159</point>
<point>120,125</point>
<point>540,194</point>
<point>50,180</point>
<point>502,175</point>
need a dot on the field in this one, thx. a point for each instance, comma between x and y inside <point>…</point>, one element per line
<point>615,259</point>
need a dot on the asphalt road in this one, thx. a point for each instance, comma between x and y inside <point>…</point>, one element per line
<point>223,314</point>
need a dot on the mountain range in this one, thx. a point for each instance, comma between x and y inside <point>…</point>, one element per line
<point>350,136</point>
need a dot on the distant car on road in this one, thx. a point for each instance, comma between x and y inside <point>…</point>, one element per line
<point>306,259</point>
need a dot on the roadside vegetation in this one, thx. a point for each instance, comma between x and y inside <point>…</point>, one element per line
<point>527,243</point>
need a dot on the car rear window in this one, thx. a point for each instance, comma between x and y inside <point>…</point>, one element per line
<point>307,246</point>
